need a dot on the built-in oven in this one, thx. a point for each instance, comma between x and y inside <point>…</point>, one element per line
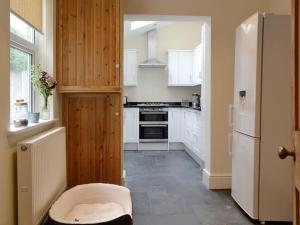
<point>153,125</point>
<point>153,115</point>
<point>153,133</point>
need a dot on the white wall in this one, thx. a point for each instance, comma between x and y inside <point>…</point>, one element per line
<point>225,17</point>
<point>8,174</point>
<point>153,82</point>
<point>7,156</point>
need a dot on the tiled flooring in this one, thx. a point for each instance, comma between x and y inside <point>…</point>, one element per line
<point>167,190</point>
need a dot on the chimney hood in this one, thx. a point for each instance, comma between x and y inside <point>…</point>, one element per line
<point>152,61</point>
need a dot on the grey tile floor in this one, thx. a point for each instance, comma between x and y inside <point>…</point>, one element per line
<point>167,189</point>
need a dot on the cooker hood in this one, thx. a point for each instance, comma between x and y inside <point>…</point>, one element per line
<point>152,61</point>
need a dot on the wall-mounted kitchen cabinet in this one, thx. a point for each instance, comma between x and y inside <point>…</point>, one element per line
<point>130,67</point>
<point>131,125</point>
<point>198,65</point>
<point>89,45</point>
<point>185,67</point>
<point>180,66</point>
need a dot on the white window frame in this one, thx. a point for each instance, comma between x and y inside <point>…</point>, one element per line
<point>30,48</point>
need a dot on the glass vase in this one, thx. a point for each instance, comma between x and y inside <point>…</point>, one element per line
<point>45,114</point>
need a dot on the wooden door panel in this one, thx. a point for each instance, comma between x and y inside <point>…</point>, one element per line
<point>93,138</point>
<point>88,41</point>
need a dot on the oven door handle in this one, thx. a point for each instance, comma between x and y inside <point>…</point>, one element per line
<point>153,125</point>
<point>152,113</point>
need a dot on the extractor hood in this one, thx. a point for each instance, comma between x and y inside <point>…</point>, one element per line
<point>152,61</point>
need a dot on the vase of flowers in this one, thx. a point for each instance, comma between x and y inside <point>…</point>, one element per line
<point>44,83</point>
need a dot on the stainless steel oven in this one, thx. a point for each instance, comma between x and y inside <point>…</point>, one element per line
<point>153,133</point>
<point>154,115</point>
<point>153,125</point>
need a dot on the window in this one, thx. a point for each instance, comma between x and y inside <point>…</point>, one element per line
<point>139,24</point>
<point>21,29</point>
<point>22,52</point>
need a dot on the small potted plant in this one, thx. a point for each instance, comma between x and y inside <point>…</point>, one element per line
<point>44,83</point>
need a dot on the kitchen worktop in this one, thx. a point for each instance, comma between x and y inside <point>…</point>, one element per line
<point>165,105</point>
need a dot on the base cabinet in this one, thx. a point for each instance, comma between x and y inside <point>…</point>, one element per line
<point>131,125</point>
<point>175,125</point>
<point>186,126</point>
<point>93,126</point>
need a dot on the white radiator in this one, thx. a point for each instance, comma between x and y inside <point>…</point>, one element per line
<point>41,174</point>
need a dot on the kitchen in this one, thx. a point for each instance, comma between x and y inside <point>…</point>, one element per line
<point>164,110</point>
<point>163,75</point>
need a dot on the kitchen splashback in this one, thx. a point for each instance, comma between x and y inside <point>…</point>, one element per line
<point>153,87</point>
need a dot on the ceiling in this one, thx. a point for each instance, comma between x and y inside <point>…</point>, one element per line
<point>128,33</point>
<point>160,21</point>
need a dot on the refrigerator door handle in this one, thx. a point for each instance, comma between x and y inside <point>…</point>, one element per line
<point>230,135</point>
<point>230,115</point>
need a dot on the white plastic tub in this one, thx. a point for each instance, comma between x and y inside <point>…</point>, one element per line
<point>92,204</point>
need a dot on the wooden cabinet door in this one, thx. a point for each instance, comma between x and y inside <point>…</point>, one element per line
<point>93,126</point>
<point>88,41</point>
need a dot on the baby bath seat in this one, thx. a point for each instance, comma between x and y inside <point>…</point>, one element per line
<point>92,204</point>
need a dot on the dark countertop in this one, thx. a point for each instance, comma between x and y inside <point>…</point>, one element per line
<point>170,105</point>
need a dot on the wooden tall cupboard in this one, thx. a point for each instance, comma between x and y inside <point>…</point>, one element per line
<point>93,130</point>
<point>88,41</point>
<point>90,78</point>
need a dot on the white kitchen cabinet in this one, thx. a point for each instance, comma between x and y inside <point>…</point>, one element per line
<point>173,61</point>
<point>193,137</point>
<point>130,67</point>
<point>198,65</point>
<point>175,125</point>
<point>185,67</point>
<point>180,67</point>
<point>131,125</point>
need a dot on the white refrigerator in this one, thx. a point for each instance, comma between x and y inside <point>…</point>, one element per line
<point>262,118</point>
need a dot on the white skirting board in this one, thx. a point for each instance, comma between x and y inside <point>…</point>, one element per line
<point>153,146</point>
<point>216,181</point>
<point>131,146</point>
<point>195,157</point>
<point>162,146</point>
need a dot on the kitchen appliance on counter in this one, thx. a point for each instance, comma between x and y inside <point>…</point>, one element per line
<point>185,103</point>
<point>195,100</point>
<point>153,124</point>
<point>261,118</point>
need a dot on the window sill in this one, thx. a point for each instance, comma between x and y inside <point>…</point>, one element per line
<point>31,127</point>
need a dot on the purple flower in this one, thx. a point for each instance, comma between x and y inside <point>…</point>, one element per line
<point>50,81</point>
